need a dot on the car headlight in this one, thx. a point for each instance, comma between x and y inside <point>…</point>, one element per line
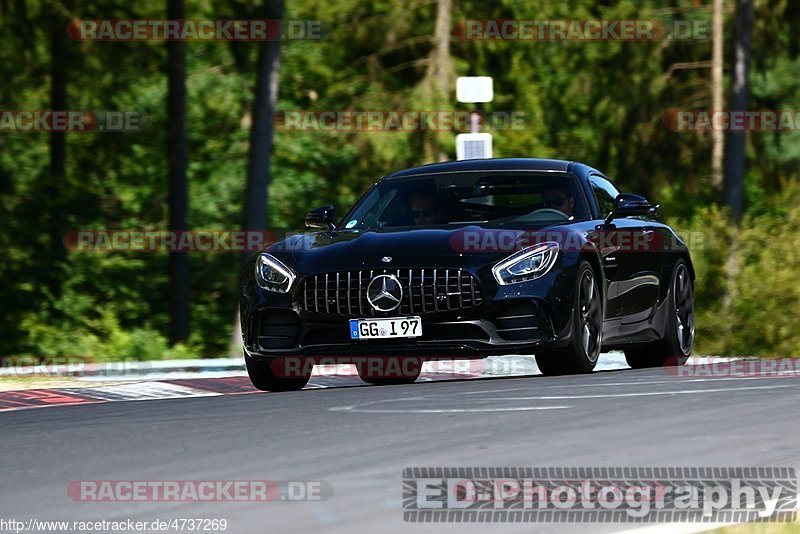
<point>527,264</point>
<point>273,275</point>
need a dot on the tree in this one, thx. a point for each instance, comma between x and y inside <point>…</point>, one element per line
<point>58,141</point>
<point>260,154</point>
<point>439,75</point>
<point>717,61</point>
<point>178,157</point>
<point>740,90</point>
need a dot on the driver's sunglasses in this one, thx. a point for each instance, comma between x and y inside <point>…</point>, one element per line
<point>556,201</point>
<point>426,212</point>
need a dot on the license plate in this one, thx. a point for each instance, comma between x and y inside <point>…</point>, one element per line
<point>394,327</point>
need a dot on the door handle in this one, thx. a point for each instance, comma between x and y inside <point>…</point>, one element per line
<point>648,242</point>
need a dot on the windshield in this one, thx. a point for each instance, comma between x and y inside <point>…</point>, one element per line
<point>512,198</point>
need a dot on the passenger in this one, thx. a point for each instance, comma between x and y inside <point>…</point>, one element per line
<point>425,209</point>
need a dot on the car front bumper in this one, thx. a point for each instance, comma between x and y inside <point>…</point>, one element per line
<point>516,326</point>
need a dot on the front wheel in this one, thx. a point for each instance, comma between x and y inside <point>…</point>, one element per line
<point>581,355</point>
<point>676,344</point>
<point>263,376</point>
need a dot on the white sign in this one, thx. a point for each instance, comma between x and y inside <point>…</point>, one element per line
<point>471,89</point>
<point>473,146</point>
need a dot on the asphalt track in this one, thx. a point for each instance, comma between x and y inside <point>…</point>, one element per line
<point>359,439</point>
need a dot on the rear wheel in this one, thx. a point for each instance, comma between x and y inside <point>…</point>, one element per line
<point>263,376</point>
<point>676,345</point>
<point>581,355</point>
<point>389,371</point>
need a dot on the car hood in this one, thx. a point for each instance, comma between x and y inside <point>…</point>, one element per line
<point>467,246</point>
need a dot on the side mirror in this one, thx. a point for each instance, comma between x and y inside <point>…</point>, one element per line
<point>630,205</point>
<point>321,218</point>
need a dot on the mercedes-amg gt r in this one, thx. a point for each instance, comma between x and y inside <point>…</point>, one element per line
<point>469,259</point>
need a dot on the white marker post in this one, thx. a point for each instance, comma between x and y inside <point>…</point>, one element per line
<point>472,90</point>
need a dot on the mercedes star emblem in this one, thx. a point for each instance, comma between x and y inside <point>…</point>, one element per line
<point>384,292</point>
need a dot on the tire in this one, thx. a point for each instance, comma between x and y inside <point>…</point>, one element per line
<point>675,347</point>
<point>407,373</point>
<point>264,378</point>
<point>586,338</point>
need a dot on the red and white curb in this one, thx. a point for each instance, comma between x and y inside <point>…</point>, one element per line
<point>196,384</point>
<point>173,389</point>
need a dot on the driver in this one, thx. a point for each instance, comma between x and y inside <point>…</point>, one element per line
<point>425,208</point>
<point>561,199</point>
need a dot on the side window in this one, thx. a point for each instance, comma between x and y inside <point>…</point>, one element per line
<point>396,209</point>
<point>604,194</point>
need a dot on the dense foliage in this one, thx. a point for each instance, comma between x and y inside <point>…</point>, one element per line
<point>599,102</point>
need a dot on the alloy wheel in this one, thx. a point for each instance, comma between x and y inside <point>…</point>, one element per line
<point>684,309</point>
<point>591,318</point>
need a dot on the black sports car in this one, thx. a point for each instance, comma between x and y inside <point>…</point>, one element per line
<point>469,259</point>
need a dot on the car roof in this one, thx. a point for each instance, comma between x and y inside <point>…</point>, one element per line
<point>492,164</point>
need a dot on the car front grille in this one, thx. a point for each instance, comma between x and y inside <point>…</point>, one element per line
<point>425,291</point>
